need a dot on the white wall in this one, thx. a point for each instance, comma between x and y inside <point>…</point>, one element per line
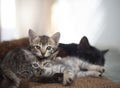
<point>110,37</point>
<point>99,20</point>
<point>18,16</point>
<point>34,14</point>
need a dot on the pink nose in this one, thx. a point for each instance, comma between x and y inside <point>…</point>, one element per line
<point>42,52</point>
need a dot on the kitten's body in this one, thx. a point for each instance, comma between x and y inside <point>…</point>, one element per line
<point>17,64</point>
<point>70,67</point>
<point>6,46</point>
<point>84,51</point>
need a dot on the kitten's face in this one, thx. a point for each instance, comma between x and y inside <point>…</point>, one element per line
<point>37,69</point>
<point>90,52</point>
<point>43,46</point>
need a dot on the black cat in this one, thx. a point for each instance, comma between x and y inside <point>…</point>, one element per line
<point>84,51</point>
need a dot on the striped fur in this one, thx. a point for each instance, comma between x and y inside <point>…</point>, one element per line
<point>23,63</point>
<point>71,67</point>
<point>20,63</point>
<point>43,46</point>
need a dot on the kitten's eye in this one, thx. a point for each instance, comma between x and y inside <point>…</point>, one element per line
<point>37,47</point>
<point>35,65</point>
<point>49,48</point>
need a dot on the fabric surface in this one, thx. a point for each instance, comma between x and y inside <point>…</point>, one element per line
<point>84,82</point>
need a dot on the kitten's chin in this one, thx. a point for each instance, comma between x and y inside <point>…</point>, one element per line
<point>42,57</point>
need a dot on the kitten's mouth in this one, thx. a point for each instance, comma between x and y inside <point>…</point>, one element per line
<point>42,57</point>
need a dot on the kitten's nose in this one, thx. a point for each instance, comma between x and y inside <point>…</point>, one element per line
<point>43,52</point>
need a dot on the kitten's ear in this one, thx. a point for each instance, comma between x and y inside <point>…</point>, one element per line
<point>32,35</point>
<point>56,37</point>
<point>104,51</point>
<point>84,42</point>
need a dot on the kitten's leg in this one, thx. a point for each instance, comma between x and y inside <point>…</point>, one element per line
<point>68,77</point>
<point>14,80</point>
<point>96,68</point>
<point>92,67</point>
<point>88,73</point>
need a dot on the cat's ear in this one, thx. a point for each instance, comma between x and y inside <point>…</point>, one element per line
<point>104,51</point>
<point>56,37</point>
<point>32,35</point>
<point>84,42</point>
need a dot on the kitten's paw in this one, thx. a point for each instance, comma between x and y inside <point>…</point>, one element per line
<point>94,74</point>
<point>68,78</point>
<point>68,82</point>
<point>101,70</point>
<point>100,75</point>
<point>97,68</point>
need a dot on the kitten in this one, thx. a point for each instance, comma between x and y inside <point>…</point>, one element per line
<point>70,67</point>
<point>19,63</point>
<point>44,46</point>
<point>84,51</point>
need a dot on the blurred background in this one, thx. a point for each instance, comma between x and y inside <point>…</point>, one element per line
<point>99,20</point>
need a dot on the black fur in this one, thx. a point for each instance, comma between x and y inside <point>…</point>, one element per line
<point>84,51</point>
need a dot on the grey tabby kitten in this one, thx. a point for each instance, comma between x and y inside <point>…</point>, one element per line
<point>44,46</point>
<point>71,67</point>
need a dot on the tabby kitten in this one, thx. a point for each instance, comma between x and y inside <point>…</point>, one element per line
<point>44,46</point>
<point>19,63</point>
<point>70,67</point>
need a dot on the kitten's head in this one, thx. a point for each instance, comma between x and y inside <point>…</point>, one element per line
<point>91,53</point>
<point>43,46</point>
<point>36,69</point>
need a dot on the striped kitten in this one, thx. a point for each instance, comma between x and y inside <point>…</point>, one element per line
<point>17,64</point>
<point>70,67</point>
<point>43,46</point>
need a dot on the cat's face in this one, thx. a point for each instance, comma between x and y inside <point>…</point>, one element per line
<point>91,53</point>
<point>37,69</point>
<point>43,46</point>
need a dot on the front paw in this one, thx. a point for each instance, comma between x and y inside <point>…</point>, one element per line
<point>94,73</point>
<point>101,70</point>
<point>67,81</point>
<point>98,68</point>
<point>68,78</point>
